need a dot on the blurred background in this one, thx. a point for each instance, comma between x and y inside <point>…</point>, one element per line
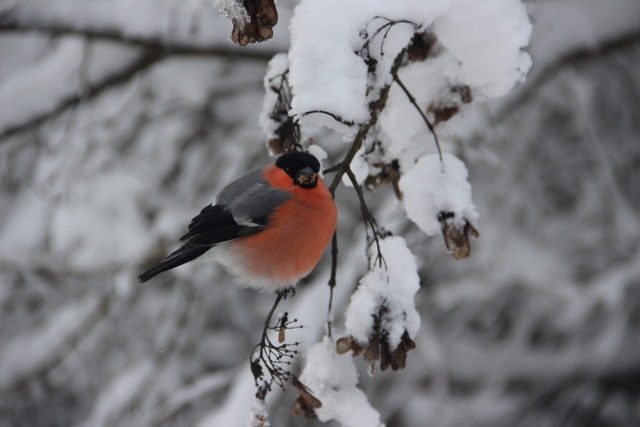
<point>120,120</point>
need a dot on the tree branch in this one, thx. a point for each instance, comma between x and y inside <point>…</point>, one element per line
<point>579,56</point>
<point>375,107</point>
<point>147,59</point>
<point>153,43</point>
<point>396,78</point>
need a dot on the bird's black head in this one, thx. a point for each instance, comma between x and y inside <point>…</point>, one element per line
<point>303,168</point>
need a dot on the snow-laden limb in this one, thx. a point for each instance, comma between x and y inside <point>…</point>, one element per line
<point>326,72</point>
<point>437,196</point>
<point>431,187</point>
<point>333,379</point>
<point>488,51</point>
<point>338,62</point>
<point>382,316</point>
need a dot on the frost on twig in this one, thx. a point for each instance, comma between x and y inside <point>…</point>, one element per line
<point>333,379</point>
<point>437,197</point>
<point>253,20</point>
<point>381,318</point>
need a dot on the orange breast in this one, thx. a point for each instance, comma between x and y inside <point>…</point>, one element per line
<point>296,235</point>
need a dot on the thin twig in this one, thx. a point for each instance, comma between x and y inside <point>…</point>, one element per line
<point>334,116</point>
<point>151,42</point>
<point>272,356</point>
<point>123,75</point>
<point>369,219</point>
<point>396,78</point>
<point>332,279</point>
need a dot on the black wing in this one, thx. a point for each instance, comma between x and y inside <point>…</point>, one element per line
<point>213,225</point>
<point>242,209</point>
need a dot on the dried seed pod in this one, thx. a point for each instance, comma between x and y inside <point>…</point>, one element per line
<point>378,349</point>
<point>343,345</point>
<point>300,407</point>
<point>456,239</point>
<point>305,403</point>
<point>263,16</point>
<point>282,327</point>
<point>422,46</point>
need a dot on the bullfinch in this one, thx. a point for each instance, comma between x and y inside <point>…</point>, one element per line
<point>269,228</point>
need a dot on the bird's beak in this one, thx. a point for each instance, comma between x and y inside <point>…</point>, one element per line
<point>306,178</point>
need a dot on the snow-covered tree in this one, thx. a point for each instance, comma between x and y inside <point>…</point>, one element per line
<point>121,119</point>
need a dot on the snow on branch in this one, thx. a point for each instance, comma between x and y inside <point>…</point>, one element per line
<point>387,75</point>
<point>437,197</point>
<point>381,318</point>
<point>332,59</point>
<point>333,379</point>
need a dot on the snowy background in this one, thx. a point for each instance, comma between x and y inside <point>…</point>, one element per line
<point>120,120</point>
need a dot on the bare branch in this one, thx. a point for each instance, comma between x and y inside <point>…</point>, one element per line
<point>579,56</point>
<point>154,43</point>
<point>369,219</point>
<point>272,356</point>
<point>147,59</point>
<point>336,117</point>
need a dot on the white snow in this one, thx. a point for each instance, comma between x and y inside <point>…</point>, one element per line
<point>327,75</point>
<point>488,51</point>
<point>273,77</point>
<point>257,417</point>
<point>359,167</point>
<point>332,378</point>
<point>233,10</point>
<point>392,286</point>
<point>431,187</point>
<point>318,152</point>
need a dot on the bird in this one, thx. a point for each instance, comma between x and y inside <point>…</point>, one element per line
<point>269,228</point>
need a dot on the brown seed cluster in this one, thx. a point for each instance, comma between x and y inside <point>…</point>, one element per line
<point>306,403</point>
<point>263,17</point>
<point>444,109</point>
<point>378,350</point>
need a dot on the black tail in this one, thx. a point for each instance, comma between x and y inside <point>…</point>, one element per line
<point>183,255</point>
